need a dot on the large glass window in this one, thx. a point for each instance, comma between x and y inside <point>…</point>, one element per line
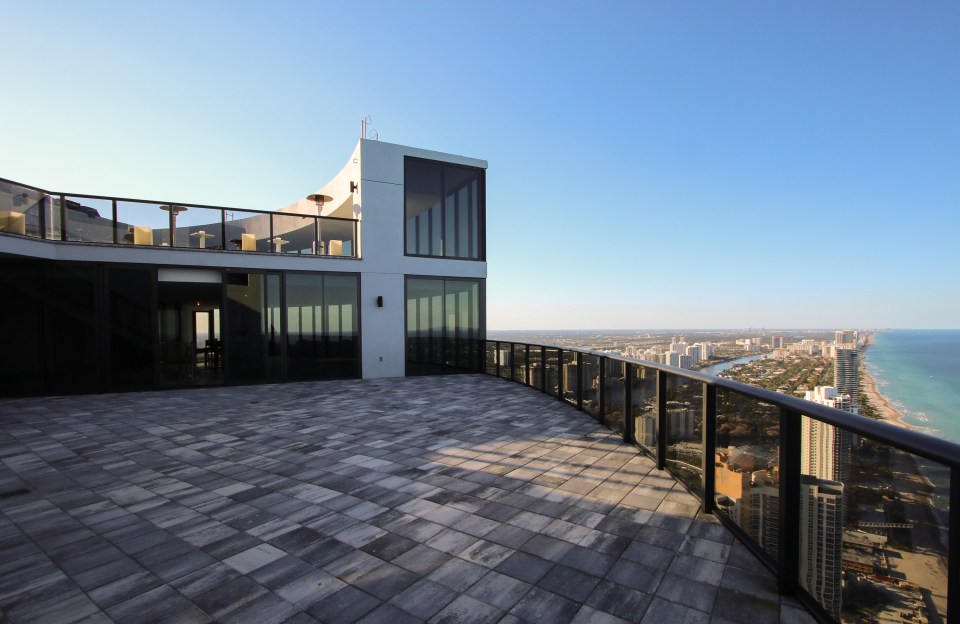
<point>444,210</point>
<point>131,336</point>
<point>253,326</point>
<point>322,326</point>
<point>443,325</point>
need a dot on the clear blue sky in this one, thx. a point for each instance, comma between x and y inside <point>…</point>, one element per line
<point>652,164</point>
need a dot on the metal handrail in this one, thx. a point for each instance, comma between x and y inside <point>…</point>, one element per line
<point>910,440</point>
<point>786,564</point>
<point>158,201</point>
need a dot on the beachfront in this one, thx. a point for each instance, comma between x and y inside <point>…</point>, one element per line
<point>919,556</point>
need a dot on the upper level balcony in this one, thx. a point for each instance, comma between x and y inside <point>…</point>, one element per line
<point>62,217</point>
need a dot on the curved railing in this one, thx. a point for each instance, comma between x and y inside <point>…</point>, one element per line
<point>33,212</point>
<point>796,481</point>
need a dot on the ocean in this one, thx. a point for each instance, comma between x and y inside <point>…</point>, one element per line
<point>919,372</point>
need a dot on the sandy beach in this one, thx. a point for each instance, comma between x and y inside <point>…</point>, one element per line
<point>877,399</point>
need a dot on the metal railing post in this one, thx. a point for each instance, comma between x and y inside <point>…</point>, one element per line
<point>601,389</point>
<point>709,439</point>
<point>661,420</point>
<point>628,423</point>
<point>788,557</point>
<point>63,218</point>
<point>42,214</point>
<point>579,395</point>
<point>953,548</point>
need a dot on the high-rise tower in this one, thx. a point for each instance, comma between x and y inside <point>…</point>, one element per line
<point>846,374</point>
<point>821,541</point>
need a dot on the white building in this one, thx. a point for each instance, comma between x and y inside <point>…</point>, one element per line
<point>378,273</point>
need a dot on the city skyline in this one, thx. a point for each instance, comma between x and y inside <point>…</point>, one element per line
<point>654,166</point>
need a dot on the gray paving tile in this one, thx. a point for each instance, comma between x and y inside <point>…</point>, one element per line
<point>467,610</point>
<point>258,515</point>
<point>540,605</point>
<point>347,605</point>
<point>619,600</point>
<point>424,599</point>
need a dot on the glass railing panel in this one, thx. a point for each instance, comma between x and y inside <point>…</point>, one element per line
<point>506,358</point>
<point>338,237</point>
<point>142,223</point>
<point>873,528</point>
<point>89,220</point>
<point>643,407</point>
<point>569,376</point>
<point>684,433</point>
<point>196,227</point>
<point>590,382</point>
<point>295,234</point>
<point>535,368</point>
<point>520,363</point>
<point>490,357</point>
<point>747,467</point>
<point>614,410</point>
<point>551,371</point>
<point>248,231</point>
<point>20,209</point>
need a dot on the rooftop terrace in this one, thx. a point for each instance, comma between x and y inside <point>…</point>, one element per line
<point>442,499</point>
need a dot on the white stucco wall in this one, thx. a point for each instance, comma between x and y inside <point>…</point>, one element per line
<point>384,265</point>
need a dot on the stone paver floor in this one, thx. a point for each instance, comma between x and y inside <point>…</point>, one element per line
<point>440,499</point>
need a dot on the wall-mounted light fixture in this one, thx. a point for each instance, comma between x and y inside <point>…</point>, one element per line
<point>380,301</point>
<point>354,187</point>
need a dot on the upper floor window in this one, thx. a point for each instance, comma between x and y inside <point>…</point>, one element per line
<point>444,206</point>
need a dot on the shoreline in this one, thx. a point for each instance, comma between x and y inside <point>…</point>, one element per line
<point>879,400</point>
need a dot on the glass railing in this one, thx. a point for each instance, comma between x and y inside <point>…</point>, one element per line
<point>851,515</point>
<point>35,213</point>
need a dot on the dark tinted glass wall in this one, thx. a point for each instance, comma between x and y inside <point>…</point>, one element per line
<point>50,338</point>
<point>131,302</point>
<point>444,207</point>
<point>322,326</point>
<point>85,328</point>
<point>444,325</point>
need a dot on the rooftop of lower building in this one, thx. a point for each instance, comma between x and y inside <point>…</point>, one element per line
<point>442,499</point>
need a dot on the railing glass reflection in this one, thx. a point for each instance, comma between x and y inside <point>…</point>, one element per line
<point>852,519</point>
<point>26,211</point>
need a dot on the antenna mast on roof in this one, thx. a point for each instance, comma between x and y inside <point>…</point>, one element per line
<point>368,133</point>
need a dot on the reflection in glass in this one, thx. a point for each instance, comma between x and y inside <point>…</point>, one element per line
<point>535,369</point>
<point>551,371</point>
<point>590,383</point>
<point>248,231</point>
<point>337,237</point>
<point>89,220</point>
<point>20,211</point>
<point>443,325</point>
<point>490,357</point>
<point>141,223</point>
<point>506,360</point>
<point>249,320</point>
<point>131,335</point>
<point>747,467</point>
<point>873,547</point>
<point>443,209</point>
<point>643,407</point>
<point>614,394</point>
<point>569,377</point>
<point>685,430</point>
<point>520,363</point>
